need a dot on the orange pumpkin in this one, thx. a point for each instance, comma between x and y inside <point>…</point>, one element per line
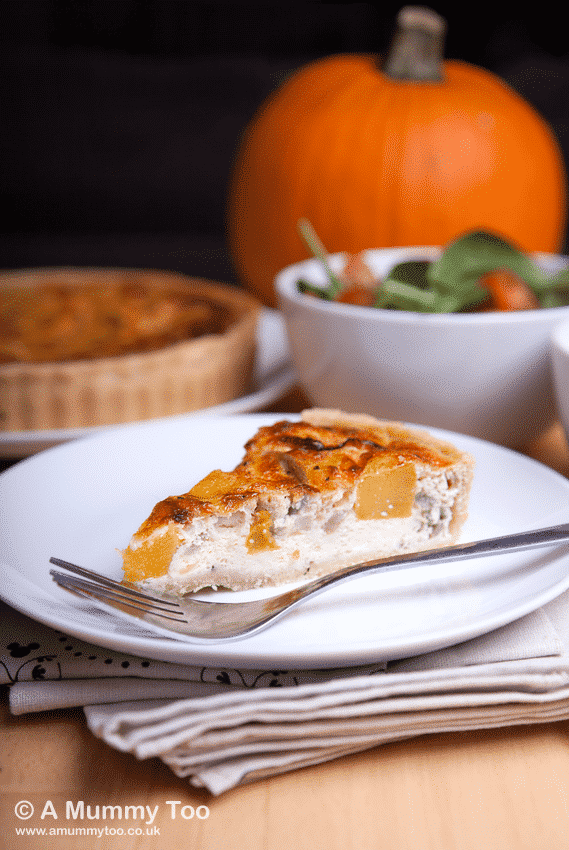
<point>375,157</point>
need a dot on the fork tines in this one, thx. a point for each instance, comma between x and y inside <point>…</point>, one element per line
<point>106,589</point>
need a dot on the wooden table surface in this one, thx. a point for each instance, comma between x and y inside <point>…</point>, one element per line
<point>504,789</point>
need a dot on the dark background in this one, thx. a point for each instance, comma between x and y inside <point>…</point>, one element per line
<point>120,119</point>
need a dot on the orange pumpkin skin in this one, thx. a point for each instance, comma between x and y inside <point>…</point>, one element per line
<point>375,162</point>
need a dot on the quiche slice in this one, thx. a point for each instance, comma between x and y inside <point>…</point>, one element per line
<point>308,497</point>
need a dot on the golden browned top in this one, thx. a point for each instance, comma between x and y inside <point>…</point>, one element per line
<point>67,314</point>
<point>301,457</point>
<point>58,322</point>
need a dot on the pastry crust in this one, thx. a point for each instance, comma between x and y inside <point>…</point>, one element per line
<point>307,498</point>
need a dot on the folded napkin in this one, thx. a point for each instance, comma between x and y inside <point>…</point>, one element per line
<point>221,727</point>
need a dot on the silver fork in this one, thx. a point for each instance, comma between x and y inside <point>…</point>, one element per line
<point>204,620</point>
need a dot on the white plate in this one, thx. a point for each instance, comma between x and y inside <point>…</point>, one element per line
<point>82,500</point>
<point>273,376</point>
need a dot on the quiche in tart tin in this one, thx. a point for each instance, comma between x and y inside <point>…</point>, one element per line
<point>83,347</point>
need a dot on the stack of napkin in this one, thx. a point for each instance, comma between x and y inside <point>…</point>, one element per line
<point>222,727</point>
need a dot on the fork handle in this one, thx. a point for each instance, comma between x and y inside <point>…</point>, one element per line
<point>518,542</point>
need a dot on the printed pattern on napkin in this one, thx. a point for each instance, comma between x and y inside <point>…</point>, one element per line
<point>30,651</point>
<point>33,652</point>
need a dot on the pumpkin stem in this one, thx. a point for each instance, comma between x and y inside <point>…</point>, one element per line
<point>416,52</point>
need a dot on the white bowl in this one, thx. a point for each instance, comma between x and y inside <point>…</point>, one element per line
<point>560,364</point>
<point>483,374</point>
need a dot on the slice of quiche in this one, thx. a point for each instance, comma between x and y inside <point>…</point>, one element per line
<point>310,496</point>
